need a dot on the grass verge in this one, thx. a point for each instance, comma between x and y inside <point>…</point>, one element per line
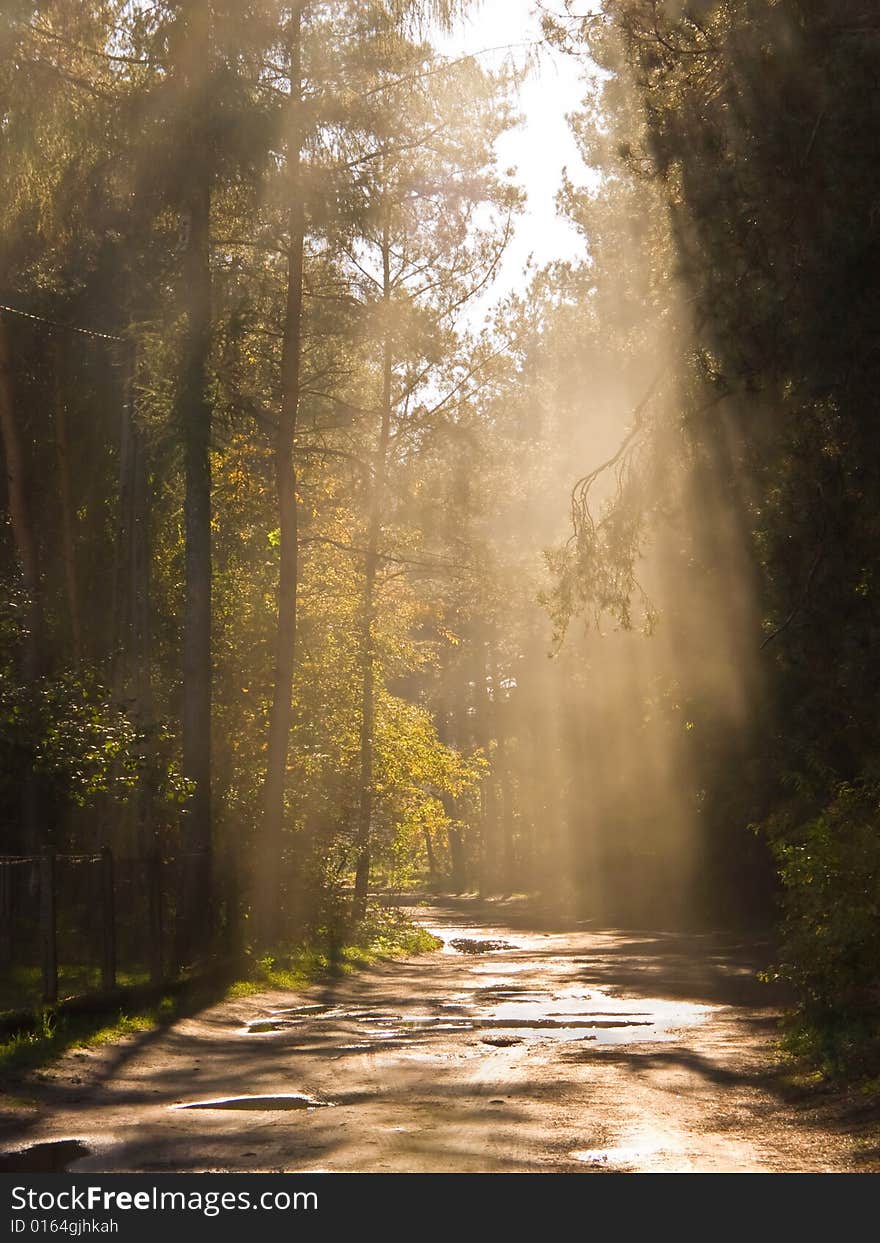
<point>384,934</point>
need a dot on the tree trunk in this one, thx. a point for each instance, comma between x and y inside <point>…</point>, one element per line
<point>140,662</point>
<point>140,557</point>
<point>19,513</point>
<point>429,851</point>
<point>507,861</point>
<point>445,719</point>
<point>458,865</point>
<point>120,600</point>
<point>270,864</point>
<point>131,671</point>
<point>194,418</point>
<point>26,547</point>
<point>367,638</point>
<point>68,546</point>
<point>483,737</point>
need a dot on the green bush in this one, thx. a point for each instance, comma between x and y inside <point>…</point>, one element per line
<point>830,870</point>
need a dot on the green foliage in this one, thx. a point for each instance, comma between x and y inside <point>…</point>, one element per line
<point>830,871</point>
<point>55,1034</point>
<point>336,949</point>
<point>93,235</point>
<point>72,733</point>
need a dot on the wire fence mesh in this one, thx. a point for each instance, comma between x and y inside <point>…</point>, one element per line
<point>77,923</point>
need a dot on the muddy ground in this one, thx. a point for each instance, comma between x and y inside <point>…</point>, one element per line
<point>512,1049</point>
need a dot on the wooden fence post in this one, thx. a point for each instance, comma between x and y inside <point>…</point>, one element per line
<point>108,957</point>
<point>154,890</point>
<point>6,912</point>
<point>48,930</point>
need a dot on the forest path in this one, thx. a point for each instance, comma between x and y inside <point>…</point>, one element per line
<point>545,1052</point>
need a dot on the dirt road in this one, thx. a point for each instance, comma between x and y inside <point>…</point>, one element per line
<point>509,1050</point>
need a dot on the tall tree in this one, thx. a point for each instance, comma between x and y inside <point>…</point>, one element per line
<point>20,511</point>
<point>361,35</point>
<point>420,261</point>
<point>271,854</point>
<point>191,55</point>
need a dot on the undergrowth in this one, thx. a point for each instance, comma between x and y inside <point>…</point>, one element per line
<point>383,934</point>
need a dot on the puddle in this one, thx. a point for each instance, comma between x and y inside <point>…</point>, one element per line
<point>304,1014</point>
<point>55,1157</point>
<point>437,1023</point>
<point>564,1013</point>
<point>567,1021</point>
<point>567,1035</point>
<point>507,1000</point>
<point>507,1025</point>
<point>390,1025</point>
<point>315,1008</point>
<point>511,994</point>
<point>470,945</point>
<point>292,1100</point>
<point>508,1015</point>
